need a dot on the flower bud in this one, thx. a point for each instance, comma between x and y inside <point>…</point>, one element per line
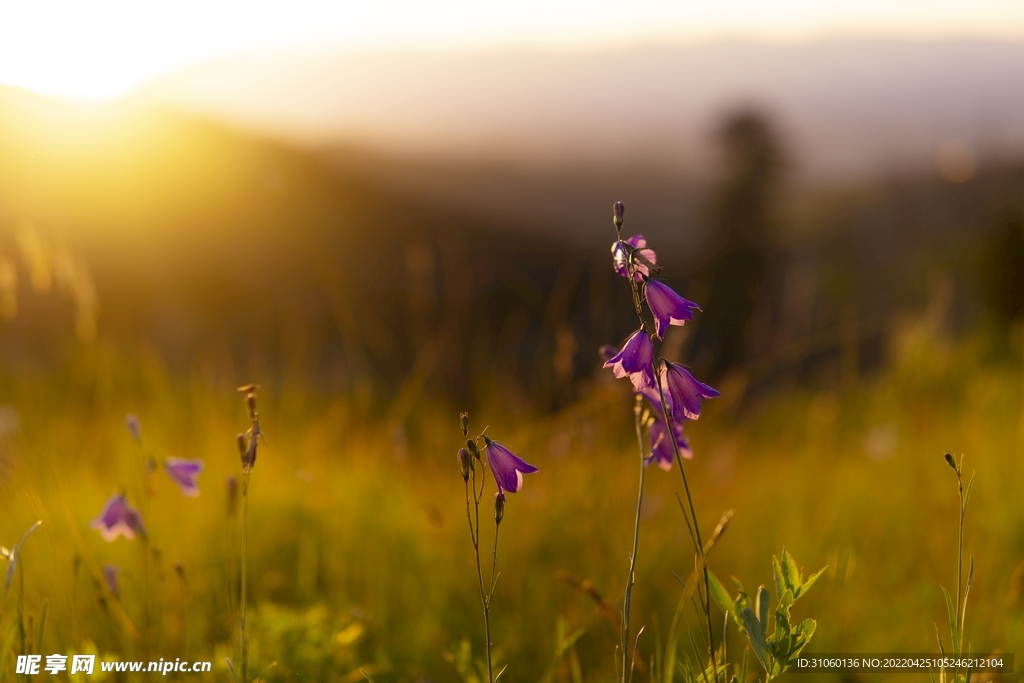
<point>242,445</point>
<point>499,507</point>
<point>950,461</point>
<point>618,211</point>
<point>464,417</point>
<point>250,403</point>
<point>465,463</point>
<point>471,445</point>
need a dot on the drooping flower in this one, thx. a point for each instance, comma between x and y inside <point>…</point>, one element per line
<point>667,307</point>
<point>508,468</point>
<point>661,444</point>
<point>686,391</point>
<point>634,360</point>
<point>642,261</point>
<point>118,517</point>
<point>184,473</point>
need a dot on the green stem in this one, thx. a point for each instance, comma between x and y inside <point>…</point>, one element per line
<point>636,542</point>
<point>693,515</point>
<point>474,533</point>
<point>244,645</point>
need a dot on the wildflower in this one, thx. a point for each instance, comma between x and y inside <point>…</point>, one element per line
<point>607,352</point>
<point>499,507</point>
<point>661,444</point>
<point>111,576</point>
<point>508,468</point>
<point>667,307</point>
<point>184,473</point>
<point>643,258</point>
<point>634,360</point>
<point>118,517</point>
<point>686,392</point>
<point>134,428</point>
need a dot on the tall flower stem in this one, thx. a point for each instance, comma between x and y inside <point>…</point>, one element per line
<point>474,534</point>
<point>244,561</point>
<point>626,659</point>
<point>697,542</point>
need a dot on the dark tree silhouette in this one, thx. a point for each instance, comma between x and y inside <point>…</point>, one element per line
<point>740,274</point>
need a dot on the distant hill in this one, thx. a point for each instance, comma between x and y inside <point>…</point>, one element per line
<point>847,106</point>
<point>243,257</point>
<point>233,257</point>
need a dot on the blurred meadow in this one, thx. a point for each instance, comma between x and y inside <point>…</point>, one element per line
<point>858,324</point>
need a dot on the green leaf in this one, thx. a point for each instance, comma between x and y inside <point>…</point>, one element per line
<point>722,598</point>
<point>790,572</point>
<point>951,611</point>
<point>755,634</point>
<point>803,633</point>
<point>806,585</point>
<point>15,556</point>
<point>782,636</point>
<point>762,607</point>
<point>786,601</point>
<point>967,493</point>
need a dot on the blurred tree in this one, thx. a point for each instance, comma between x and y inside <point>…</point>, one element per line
<point>1002,271</point>
<point>740,275</point>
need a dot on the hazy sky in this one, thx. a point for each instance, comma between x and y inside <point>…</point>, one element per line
<point>104,48</point>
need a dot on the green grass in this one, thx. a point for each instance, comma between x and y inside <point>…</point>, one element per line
<point>360,556</point>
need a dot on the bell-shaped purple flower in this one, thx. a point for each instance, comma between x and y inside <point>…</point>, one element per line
<point>117,518</point>
<point>508,468</point>
<point>184,473</point>
<point>661,444</point>
<point>686,391</point>
<point>634,360</point>
<point>667,307</point>
<point>642,261</point>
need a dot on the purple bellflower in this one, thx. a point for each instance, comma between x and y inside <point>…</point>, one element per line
<point>508,468</point>
<point>118,517</point>
<point>686,392</point>
<point>634,360</point>
<point>184,473</point>
<point>621,252</point>
<point>667,307</point>
<point>661,444</point>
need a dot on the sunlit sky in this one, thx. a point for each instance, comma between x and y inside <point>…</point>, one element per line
<point>104,48</point>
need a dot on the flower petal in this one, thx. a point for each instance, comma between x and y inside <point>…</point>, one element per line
<point>667,307</point>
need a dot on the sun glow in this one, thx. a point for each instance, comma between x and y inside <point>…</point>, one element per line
<point>105,48</point>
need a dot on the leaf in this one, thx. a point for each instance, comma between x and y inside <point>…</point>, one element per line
<point>755,634</point>
<point>782,636</point>
<point>762,607</point>
<point>786,601</point>
<point>967,493</point>
<point>806,585</point>
<point>790,572</point>
<point>15,556</point>
<point>950,610</point>
<point>722,598</point>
